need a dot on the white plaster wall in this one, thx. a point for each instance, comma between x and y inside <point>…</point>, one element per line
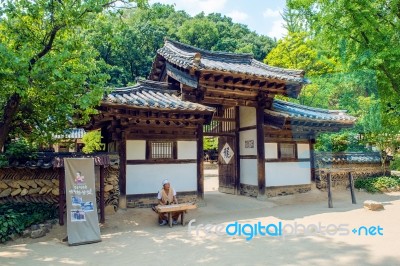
<point>248,171</point>
<point>303,150</point>
<point>135,149</point>
<point>245,136</point>
<point>287,173</point>
<point>271,150</point>
<point>187,150</point>
<point>247,116</point>
<point>147,178</point>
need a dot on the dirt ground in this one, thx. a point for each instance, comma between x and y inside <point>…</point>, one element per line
<point>133,237</point>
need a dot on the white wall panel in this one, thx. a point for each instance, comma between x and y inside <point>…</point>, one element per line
<point>248,171</point>
<point>271,150</point>
<point>247,116</point>
<point>248,135</point>
<point>147,178</point>
<point>135,149</point>
<point>287,173</point>
<point>303,150</point>
<point>187,150</point>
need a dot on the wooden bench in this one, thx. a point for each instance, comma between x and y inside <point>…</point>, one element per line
<point>182,207</point>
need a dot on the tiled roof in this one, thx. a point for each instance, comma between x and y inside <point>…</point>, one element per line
<point>48,160</point>
<point>348,157</point>
<point>187,56</point>
<point>152,95</point>
<point>297,111</point>
<point>74,133</point>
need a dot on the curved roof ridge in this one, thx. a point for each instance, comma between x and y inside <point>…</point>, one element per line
<point>296,72</point>
<point>192,49</point>
<point>296,105</point>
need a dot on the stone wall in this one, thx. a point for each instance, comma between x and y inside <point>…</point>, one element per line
<point>362,165</point>
<point>27,183</point>
<point>252,190</point>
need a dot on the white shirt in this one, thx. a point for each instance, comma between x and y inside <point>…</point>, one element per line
<point>159,194</point>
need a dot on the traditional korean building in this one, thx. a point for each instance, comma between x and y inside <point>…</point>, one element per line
<point>265,145</point>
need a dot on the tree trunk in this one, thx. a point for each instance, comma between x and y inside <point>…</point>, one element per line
<point>10,110</point>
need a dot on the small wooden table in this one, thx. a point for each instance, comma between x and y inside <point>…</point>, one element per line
<point>183,207</point>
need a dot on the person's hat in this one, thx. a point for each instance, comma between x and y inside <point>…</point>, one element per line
<point>165,181</point>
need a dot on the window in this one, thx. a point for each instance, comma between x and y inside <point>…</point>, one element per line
<point>287,151</point>
<point>161,150</point>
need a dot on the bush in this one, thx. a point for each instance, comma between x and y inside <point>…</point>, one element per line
<point>395,164</point>
<point>378,184</point>
<point>15,217</point>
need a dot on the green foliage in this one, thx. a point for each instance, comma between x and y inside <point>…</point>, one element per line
<point>14,218</point>
<point>395,164</point>
<point>48,66</point>
<point>210,143</point>
<point>19,149</point>
<point>298,51</point>
<point>3,161</point>
<point>128,41</point>
<point>378,184</point>
<point>339,142</point>
<point>92,141</point>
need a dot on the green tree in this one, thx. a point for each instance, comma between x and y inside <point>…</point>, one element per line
<point>363,34</point>
<point>199,32</point>
<point>92,141</point>
<point>50,75</point>
<point>364,37</point>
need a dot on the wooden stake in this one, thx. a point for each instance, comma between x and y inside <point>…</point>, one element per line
<point>329,181</point>
<point>353,196</point>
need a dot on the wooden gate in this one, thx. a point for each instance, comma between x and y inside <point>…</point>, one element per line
<point>225,127</point>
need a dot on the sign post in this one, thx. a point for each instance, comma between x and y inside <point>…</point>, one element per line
<point>82,219</point>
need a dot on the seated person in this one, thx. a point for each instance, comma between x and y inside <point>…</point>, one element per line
<point>167,196</point>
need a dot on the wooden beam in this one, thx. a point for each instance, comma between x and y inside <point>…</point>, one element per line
<point>312,159</point>
<point>102,203</point>
<point>200,163</point>
<point>260,152</point>
<point>122,172</point>
<point>61,195</point>
<point>237,148</point>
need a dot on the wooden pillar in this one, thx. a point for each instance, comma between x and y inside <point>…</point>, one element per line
<point>312,159</point>
<point>260,153</point>
<point>353,195</point>
<point>102,207</point>
<point>122,172</point>
<point>237,150</point>
<point>200,163</point>
<point>61,196</point>
<point>329,187</point>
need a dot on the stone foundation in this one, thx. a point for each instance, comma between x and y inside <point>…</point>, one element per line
<point>150,200</point>
<point>248,190</point>
<point>287,190</point>
<point>252,191</point>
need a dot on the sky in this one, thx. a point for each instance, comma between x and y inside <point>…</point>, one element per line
<point>261,16</point>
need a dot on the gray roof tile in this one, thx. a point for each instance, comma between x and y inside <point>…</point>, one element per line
<point>348,157</point>
<point>74,133</point>
<point>187,56</point>
<point>152,95</point>
<point>300,111</point>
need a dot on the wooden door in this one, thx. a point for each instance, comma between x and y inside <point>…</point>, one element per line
<point>227,164</point>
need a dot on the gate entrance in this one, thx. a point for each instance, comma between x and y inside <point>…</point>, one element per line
<point>225,126</point>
